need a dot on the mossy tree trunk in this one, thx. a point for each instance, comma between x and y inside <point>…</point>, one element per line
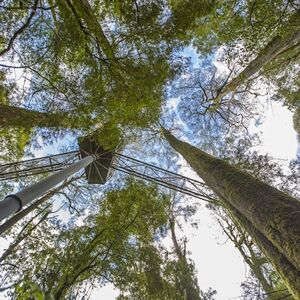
<point>287,271</point>
<point>273,213</point>
<point>12,116</point>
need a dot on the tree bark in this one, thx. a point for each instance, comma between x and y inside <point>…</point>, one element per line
<point>187,280</point>
<point>287,271</point>
<point>12,116</point>
<point>239,239</point>
<point>275,214</point>
<point>257,271</point>
<point>275,47</point>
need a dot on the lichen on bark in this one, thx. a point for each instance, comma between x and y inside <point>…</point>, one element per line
<point>274,214</point>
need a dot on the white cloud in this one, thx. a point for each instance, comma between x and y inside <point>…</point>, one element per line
<point>279,138</point>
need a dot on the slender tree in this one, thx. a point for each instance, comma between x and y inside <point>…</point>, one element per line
<point>263,277</point>
<point>186,275</point>
<point>25,232</point>
<point>288,272</point>
<point>103,249</point>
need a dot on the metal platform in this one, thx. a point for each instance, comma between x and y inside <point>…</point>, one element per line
<point>99,171</point>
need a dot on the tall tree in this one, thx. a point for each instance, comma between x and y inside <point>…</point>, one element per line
<point>287,271</point>
<point>277,46</point>
<point>186,275</point>
<point>273,214</point>
<point>257,263</point>
<point>13,116</point>
<point>96,251</point>
<point>260,38</point>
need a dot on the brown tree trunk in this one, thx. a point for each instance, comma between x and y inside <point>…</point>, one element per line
<point>275,214</point>
<point>186,279</point>
<point>275,47</point>
<point>12,116</point>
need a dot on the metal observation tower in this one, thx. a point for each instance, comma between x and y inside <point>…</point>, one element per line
<point>99,166</point>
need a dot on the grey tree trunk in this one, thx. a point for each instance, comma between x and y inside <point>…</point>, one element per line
<point>278,45</point>
<point>273,213</point>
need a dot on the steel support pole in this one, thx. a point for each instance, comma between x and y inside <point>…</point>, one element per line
<point>13,203</point>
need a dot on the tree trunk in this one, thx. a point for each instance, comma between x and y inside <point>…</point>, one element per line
<point>239,237</point>
<point>287,271</point>
<point>274,213</point>
<point>22,236</point>
<point>275,47</point>
<point>186,278</point>
<point>256,267</point>
<point>12,116</point>
<point>84,11</point>
<point>268,289</point>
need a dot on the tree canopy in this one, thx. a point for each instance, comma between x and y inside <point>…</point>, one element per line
<point>122,72</point>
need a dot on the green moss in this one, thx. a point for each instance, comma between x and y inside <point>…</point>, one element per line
<point>275,214</point>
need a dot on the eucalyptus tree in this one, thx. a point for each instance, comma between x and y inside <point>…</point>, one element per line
<point>226,142</point>
<point>186,277</point>
<point>268,215</point>
<point>262,40</point>
<point>160,271</point>
<point>246,27</point>
<point>205,123</point>
<point>263,277</point>
<point>276,47</point>
<point>120,242</point>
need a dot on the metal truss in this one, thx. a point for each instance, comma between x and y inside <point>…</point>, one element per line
<point>120,162</point>
<point>36,166</point>
<point>161,176</point>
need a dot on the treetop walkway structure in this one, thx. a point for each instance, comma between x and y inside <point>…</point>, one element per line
<point>99,166</point>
